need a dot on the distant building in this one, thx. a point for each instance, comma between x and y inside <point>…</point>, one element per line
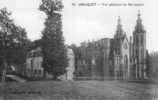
<point>120,53</point>
<point>105,52</point>
<point>83,61</point>
<point>118,58</point>
<point>139,50</point>
<point>71,65</point>
<point>92,60</point>
<point>69,75</point>
<point>129,56</point>
<point>34,63</point>
<point>153,61</point>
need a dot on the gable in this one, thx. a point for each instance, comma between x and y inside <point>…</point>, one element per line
<point>125,43</point>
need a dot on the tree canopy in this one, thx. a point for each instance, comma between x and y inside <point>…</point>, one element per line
<point>54,50</point>
<point>13,40</point>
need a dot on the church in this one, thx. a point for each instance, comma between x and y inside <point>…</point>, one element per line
<point>119,58</point>
<point>128,57</point>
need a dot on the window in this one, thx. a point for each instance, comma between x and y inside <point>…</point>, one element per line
<point>125,46</point>
<point>137,40</point>
<point>142,40</point>
<point>142,55</point>
<point>117,60</point>
<point>126,60</point>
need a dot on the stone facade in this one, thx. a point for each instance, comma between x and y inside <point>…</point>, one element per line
<point>34,63</point>
<point>117,58</point>
<point>139,50</point>
<point>93,59</point>
<point>69,75</point>
<point>120,51</point>
<point>71,64</point>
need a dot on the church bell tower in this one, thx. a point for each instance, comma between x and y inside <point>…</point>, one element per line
<point>139,49</point>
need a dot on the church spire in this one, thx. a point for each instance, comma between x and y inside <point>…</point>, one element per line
<point>139,26</point>
<point>139,20</point>
<point>119,30</point>
<point>139,13</point>
<point>119,26</point>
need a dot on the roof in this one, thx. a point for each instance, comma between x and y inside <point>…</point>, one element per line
<point>116,44</point>
<point>35,44</point>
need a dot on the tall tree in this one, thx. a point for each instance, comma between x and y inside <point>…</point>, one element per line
<point>54,50</point>
<point>13,42</point>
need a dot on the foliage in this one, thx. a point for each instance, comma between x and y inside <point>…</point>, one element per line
<point>13,40</point>
<point>54,50</point>
<point>51,6</point>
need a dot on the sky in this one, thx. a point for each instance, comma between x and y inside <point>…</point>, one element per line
<point>93,22</point>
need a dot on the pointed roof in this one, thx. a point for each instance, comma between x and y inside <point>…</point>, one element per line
<point>119,30</point>
<point>139,28</point>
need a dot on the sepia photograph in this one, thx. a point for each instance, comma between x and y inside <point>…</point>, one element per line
<point>78,50</point>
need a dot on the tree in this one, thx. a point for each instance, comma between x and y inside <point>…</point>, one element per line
<point>54,50</point>
<point>13,42</point>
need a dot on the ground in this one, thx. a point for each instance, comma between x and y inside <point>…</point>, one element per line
<point>78,90</point>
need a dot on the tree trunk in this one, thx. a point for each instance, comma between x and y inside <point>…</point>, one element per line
<point>4,70</point>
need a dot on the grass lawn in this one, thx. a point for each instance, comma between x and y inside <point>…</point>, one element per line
<point>68,90</point>
<point>50,90</point>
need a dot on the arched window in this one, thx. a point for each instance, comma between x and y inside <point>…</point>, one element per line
<point>142,40</point>
<point>125,65</point>
<point>125,46</point>
<point>126,61</point>
<point>137,41</point>
<point>142,55</point>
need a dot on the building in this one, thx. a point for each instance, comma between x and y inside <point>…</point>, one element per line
<point>120,57</point>
<point>71,64</point>
<point>92,60</point>
<point>117,58</point>
<point>128,57</point>
<point>69,75</point>
<point>82,61</point>
<point>139,50</point>
<point>153,70</point>
<point>105,53</point>
<point>34,61</point>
